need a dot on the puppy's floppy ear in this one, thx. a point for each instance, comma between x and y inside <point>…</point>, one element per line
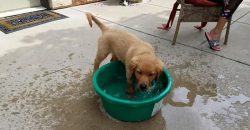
<point>159,67</point>
<point>133,63</point>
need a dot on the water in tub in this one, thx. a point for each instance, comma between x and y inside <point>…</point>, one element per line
<point>118,89</point>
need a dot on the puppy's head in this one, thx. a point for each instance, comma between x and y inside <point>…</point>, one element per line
<point>146,68</point>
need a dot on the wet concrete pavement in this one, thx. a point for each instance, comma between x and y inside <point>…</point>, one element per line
<point>45,79</point>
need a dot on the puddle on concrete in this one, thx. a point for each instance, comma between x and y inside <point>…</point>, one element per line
<point>197,105</point>
<point>184,93</point>
<point>70,103</point>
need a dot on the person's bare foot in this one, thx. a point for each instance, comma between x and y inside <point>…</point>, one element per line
<point>215,34</point>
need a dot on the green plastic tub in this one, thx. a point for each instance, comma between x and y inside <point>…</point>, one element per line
<point>109,82</point>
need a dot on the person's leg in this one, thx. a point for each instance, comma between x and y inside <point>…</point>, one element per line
<point>227,12</point>
<point>215,34</point>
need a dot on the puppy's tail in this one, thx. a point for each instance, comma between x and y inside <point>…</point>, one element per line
<point>91,18</point>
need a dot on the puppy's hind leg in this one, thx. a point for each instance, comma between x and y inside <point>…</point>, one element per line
<point>99,58</point>
<point>113,58</point>
<point>102,53</point>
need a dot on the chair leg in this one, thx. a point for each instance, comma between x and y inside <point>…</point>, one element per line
<point>176,31</point>
<point>227,31</point>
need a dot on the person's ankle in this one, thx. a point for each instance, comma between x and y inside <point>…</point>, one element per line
<point>215,34</point>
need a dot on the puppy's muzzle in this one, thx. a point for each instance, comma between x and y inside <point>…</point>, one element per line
<point>143,86</point>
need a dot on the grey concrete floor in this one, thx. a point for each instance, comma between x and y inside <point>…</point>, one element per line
<point>45,72</point>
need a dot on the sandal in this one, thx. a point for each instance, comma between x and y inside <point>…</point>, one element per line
<point>214,44</point>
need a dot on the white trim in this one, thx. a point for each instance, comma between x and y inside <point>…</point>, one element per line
<point>157,107</point>
<point>20,11</point>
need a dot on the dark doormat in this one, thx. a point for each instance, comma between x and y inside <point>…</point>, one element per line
<point>21,21</point>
